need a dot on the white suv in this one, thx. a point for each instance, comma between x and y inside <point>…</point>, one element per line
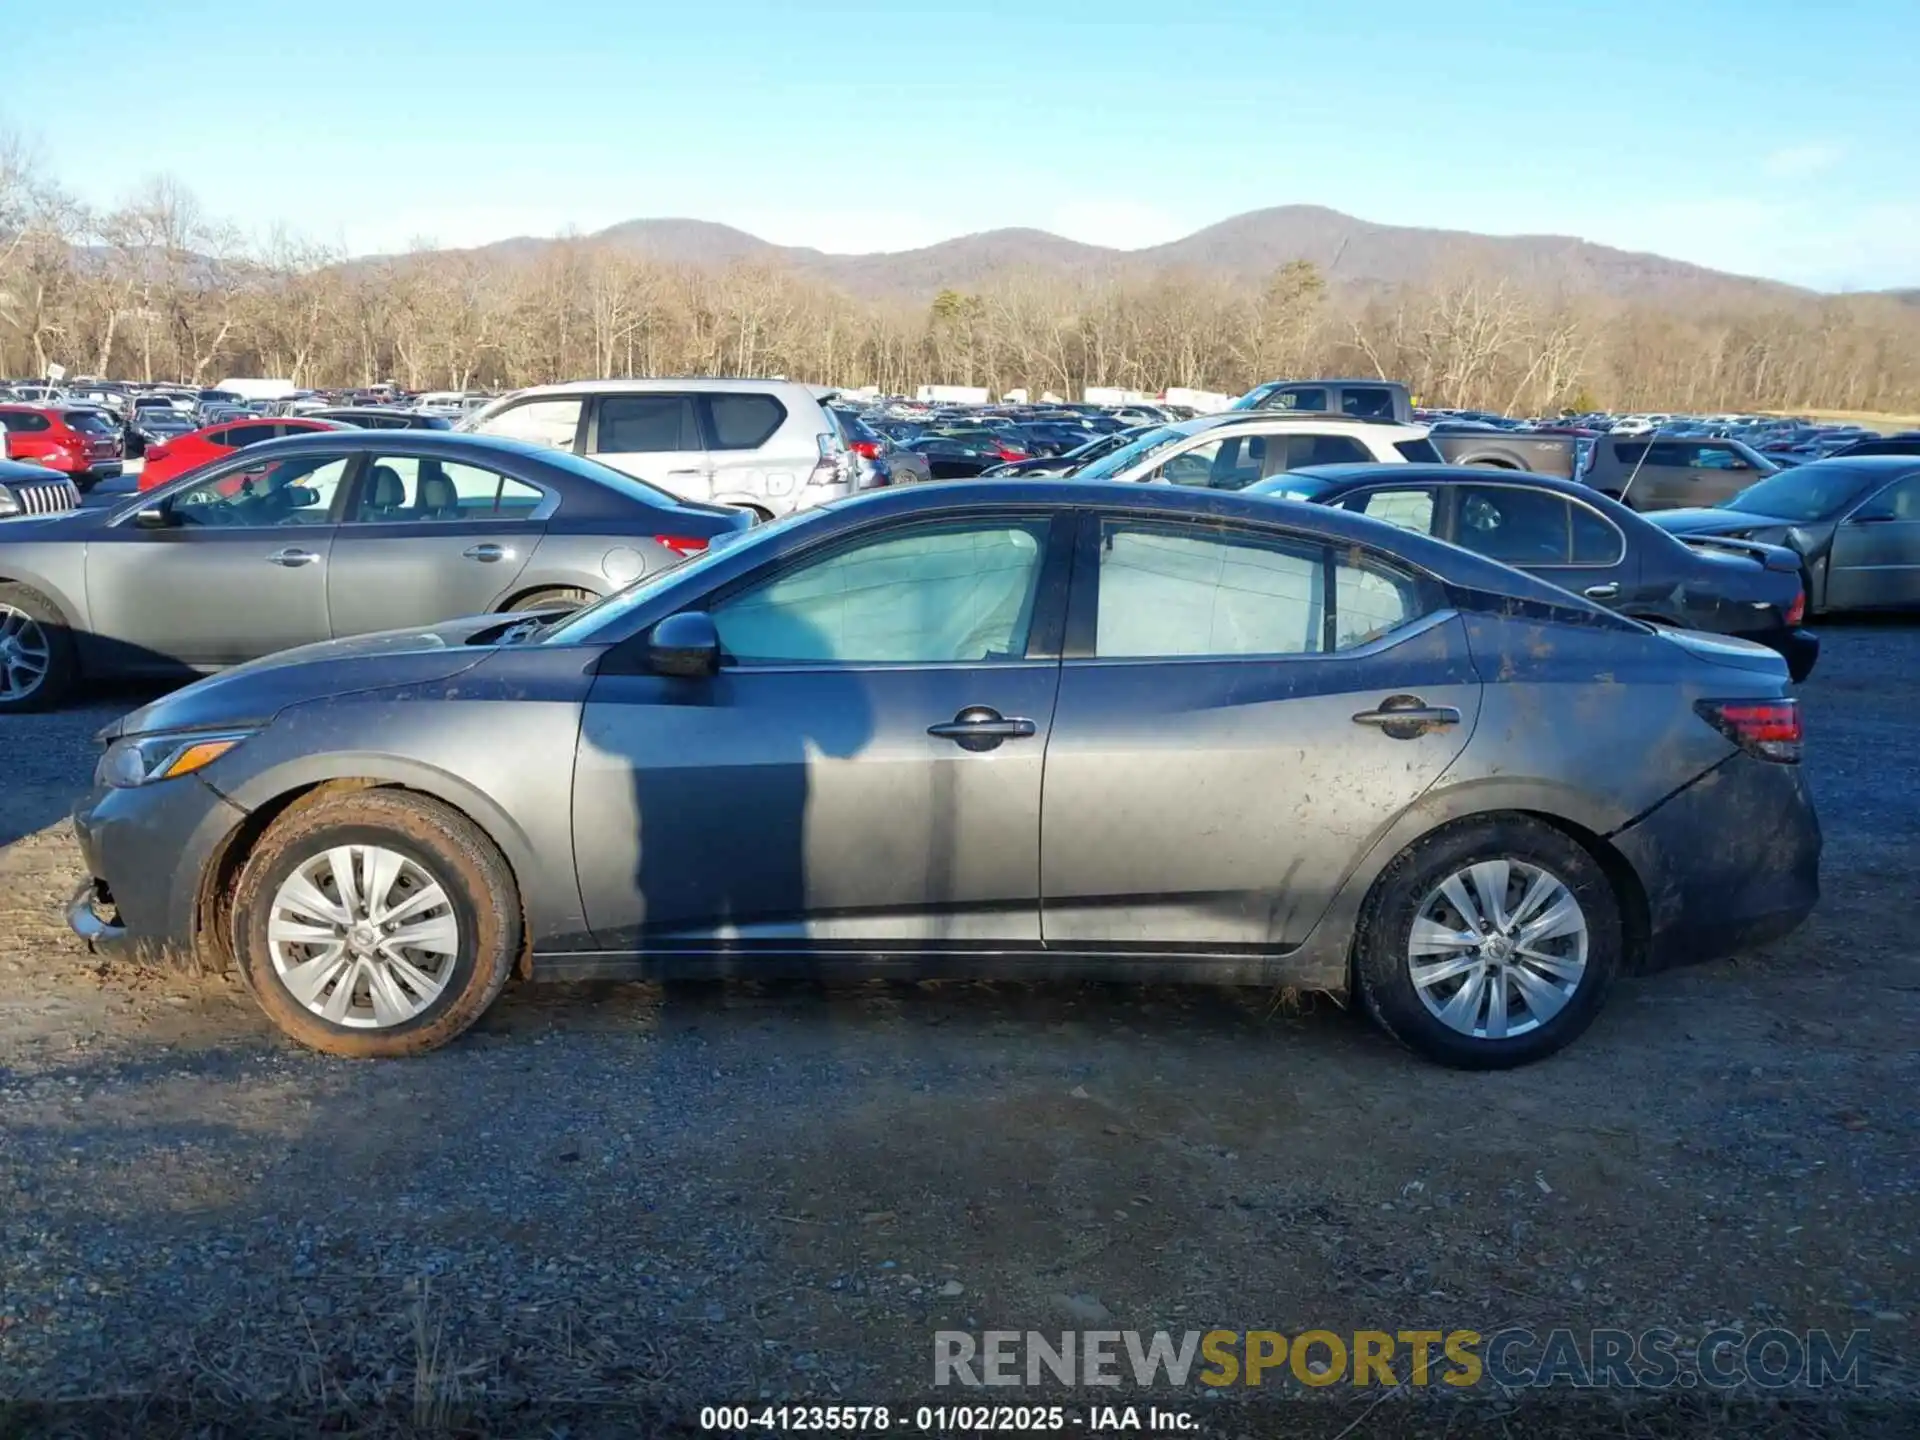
<point>764,445</point>
<point>1230,451</point>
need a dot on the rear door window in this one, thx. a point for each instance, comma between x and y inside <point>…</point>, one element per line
<point>743,422</point>
<point>1595,540</point>
<point>241,435</point>
<point>1672,454</point>
<point>646,424</point>
<point>1368,402</point>
<point>1515,525</point>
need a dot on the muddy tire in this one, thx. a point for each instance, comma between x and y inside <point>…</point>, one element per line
<point>558,599</point>
<point>1489,944</point>
<point>38,664</point>
<point>376,923</point>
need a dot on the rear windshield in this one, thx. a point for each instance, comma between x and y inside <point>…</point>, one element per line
<point>91,421</point>
<point>1419,452</point>
<point>1810,492</point>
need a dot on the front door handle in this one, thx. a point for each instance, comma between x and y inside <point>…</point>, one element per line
<point>1607,591</point>
<point>487,554</point>
<point>1407,717</point>
<point>292,558</point>
<point>981,727</point>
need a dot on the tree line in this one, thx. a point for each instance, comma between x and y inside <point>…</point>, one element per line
<point>156,289</point>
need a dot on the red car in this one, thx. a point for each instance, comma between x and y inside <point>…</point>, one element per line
<point>169,458</point>
<point>83,445</point>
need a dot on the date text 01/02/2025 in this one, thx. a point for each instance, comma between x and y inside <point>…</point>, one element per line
<point>944,1419</point>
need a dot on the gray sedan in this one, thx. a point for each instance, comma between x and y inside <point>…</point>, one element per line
<point>1855,523</point>
<point>1021,728</point>
<point>323,535</point>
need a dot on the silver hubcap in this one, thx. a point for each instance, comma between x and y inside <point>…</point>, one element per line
<point>1498,949</point>
<point>363,936</point>
<point>24,654</point>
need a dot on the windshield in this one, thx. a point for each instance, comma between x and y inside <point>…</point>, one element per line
<point>92,421</point>
<point>1810,492</point>
<point>1125,458</point>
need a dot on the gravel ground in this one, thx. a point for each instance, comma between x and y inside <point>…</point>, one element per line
<point>610,1205</point>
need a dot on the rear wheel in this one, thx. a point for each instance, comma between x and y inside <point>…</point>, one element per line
<point>568,598</point>
<point>376,923</point>
<point>37,661</point>
<point>1490,944</point>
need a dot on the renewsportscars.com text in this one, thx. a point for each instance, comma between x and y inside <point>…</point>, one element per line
<point>1461,1359</point>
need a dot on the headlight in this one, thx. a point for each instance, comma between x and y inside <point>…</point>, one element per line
<point>143,759</point>
<point>8,504</point>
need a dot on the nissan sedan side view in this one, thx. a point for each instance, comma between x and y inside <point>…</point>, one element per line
<point>1019,728</point>
<point>340,532</point>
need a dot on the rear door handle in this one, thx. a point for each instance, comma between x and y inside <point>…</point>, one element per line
<point>291,558</point>
<point>980,727</point>
<point>487,554</point>
<point>1602,592</point>
<point>1407,717</point>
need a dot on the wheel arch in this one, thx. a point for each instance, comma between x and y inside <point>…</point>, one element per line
<point>268,803</point>
<point>1628,888</point>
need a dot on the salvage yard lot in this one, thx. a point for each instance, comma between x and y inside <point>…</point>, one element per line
<point>667,1197</point>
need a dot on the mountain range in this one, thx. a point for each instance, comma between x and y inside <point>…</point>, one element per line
<point>1348,251</point>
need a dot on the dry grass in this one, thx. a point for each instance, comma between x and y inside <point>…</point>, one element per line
<point>1873,420</point>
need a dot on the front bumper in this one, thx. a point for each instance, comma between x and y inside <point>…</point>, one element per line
<point>146,850</point>
<point>1730,862</point>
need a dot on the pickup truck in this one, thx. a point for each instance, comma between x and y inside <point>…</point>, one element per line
<point>1562,456</point>
<point>1459,443</point>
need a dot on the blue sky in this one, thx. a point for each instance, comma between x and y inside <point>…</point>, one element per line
<point>1763,136</point>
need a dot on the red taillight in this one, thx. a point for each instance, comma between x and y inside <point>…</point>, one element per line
<point>1012,452</point>
<point>1767,728</point>
<point>867,449</point>
<point>681,545</point>
<point>1797,611</point>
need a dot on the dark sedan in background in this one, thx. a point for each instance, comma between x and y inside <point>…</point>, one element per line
<point>1584,542</point>
<point>1854,522</point>
<point>335,533</point>
<point>1018,728</point>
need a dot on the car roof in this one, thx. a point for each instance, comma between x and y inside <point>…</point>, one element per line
<point>453,441</point>
<point>1290,419</point>
<point>1359,473</point>
<point>1884,467</point>
<point>729,384</point>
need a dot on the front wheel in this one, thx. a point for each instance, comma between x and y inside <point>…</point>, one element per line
<point>1489,945</point>
<point>376,923</point>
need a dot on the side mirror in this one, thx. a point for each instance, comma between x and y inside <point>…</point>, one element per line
<point>301,497</point>
<point>153,517</point>
<point>685,644</point>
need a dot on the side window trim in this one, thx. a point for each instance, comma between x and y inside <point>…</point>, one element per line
<point>1574,503</point>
